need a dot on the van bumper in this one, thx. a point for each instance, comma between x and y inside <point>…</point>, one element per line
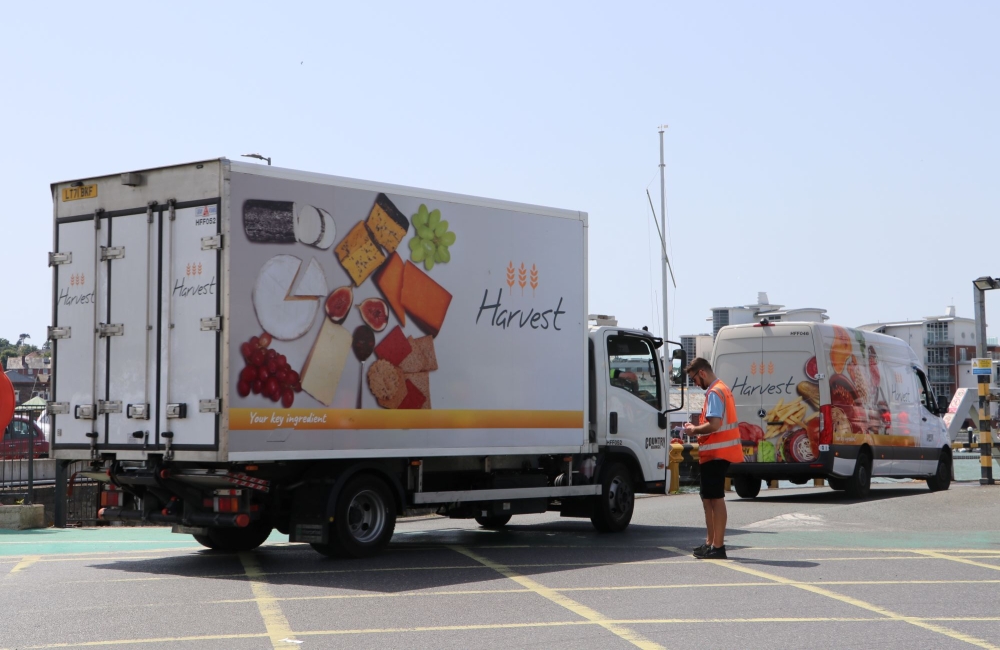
<point>821,468</point>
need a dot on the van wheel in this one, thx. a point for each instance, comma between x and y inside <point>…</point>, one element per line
<point>860,483</point>
<point>364,518</point>
<point>837,483</point>
<point>747,487</point>
<point>614,507</point>
<point>941,480</point>
<point>235,539</point>
<point>493,522</point>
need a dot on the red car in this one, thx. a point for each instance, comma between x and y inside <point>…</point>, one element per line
<point>14,442</point>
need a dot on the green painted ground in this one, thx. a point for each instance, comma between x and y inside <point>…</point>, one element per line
<point>55,541</point>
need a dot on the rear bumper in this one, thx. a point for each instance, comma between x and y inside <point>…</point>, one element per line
<point>822,468</point>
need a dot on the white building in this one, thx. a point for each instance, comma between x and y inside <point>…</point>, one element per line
<point>722,316</point>
<point>945,344</point>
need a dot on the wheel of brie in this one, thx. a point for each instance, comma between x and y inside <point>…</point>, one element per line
<point>282,314</point>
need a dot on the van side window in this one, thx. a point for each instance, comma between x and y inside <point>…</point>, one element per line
<point>634,367</point>
<point>926,396</point>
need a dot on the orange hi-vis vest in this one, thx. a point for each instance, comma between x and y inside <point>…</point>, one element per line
<point>723,444</point>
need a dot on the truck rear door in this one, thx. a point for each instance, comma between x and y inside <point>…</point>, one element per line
<point>190,326</point>
<point>790,394</point>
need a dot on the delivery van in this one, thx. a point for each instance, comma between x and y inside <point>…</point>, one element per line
<point>823,401</point>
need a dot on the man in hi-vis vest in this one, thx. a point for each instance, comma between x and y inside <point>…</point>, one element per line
<point>718,445</point>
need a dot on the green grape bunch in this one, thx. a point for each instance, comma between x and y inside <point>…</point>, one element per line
<point>430,245</point>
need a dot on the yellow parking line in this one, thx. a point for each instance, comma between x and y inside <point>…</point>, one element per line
<point>551,594</point>
<point>278,629</point>
<point>963,560</point>
<point>954,634</point>
<point>25,562</point>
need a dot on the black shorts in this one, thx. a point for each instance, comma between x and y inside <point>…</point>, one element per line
<point>713,479</point>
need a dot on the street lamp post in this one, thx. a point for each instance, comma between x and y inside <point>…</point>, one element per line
<point>980,287</point>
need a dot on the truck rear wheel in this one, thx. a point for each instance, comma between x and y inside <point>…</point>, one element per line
<point>859,485</point>
<point>747,487</point>
<point>364,518</point>
<point>235,539</point>
<point>941,480</point>
<point>493,522</point>
<point>614,507</point>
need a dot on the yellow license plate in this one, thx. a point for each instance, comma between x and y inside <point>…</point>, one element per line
<point>79,192</point>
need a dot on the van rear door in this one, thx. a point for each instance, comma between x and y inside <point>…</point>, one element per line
<point>790,394</point>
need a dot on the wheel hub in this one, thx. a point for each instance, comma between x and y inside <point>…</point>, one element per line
<point>366,516</point>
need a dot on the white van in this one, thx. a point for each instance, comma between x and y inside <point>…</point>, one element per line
<point>824,401</point>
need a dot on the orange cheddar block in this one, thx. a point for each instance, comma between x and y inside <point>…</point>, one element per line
<point>424,300</point>
<point>390,282</point>
<point>358,254</point>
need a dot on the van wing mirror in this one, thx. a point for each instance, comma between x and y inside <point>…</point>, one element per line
<point>678,362</point>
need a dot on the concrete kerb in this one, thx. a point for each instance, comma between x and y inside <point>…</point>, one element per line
<point>22,517</point>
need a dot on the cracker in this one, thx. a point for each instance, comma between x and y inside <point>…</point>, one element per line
<point>425,345</point>
<point>423,383</point>
<point>387,384</point>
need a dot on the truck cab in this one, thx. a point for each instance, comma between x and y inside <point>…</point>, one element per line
<point>629,399</point>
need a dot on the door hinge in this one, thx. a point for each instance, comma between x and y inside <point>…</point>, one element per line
<point>176,411</point>
<point>55,333</point>
<point>137,411</point>
<point>110,329</point>
<point>57,408</point>
<point>212,323</point>
<point>211,243</point>
<point>107,406</point>
<point>84,412</point>
<point>112,253</point>
<point>55,259</point>
<point>213,405</point>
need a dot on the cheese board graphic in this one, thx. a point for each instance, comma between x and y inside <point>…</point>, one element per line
<point>384,319</point>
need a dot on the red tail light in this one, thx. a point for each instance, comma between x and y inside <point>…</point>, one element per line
<point>825,424</point>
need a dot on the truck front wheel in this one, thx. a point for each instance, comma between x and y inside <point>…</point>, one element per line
<point>363,520</point>
<point>614,507</point>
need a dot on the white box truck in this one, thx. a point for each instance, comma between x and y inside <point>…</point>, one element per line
<point>816,400</point>
<point>244,348</point>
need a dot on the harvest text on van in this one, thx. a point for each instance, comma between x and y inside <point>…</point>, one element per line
<point>743,388</point>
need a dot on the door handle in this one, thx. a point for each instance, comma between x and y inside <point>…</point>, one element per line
<point>613,422</point>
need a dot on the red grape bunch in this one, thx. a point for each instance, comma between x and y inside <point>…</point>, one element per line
<point>266,372</point>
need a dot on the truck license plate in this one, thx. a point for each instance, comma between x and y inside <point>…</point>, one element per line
<point>79,192</point>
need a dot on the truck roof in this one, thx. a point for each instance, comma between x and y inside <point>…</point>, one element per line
<point>343,181</point>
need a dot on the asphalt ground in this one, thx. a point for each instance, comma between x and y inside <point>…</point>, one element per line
<point>809,568</point>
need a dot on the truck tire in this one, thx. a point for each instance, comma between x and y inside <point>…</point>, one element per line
<point>837,483</point>
<point>614,507</point>
<point>233,540</point>
<point>364,517</point>
<point>859,485</point>
<point>493,522</point>
<point>747,487</point>
<point>941,480</point>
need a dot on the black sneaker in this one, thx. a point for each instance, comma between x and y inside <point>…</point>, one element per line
<point>714,553</point>
<point>701,549</point>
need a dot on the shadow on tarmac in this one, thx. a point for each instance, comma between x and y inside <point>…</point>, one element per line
<point>835,496</point>
<point>424,559</point>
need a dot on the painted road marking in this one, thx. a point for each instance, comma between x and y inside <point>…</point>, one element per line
<point>278,629</point>
<point>579,609</point>
<point>954,634</point>
<point>963,560</point>
<point>511,626</point>
<point>25,562</point>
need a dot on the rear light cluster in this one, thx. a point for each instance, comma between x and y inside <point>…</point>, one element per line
<point>112,496</point>
<point>224,501</point>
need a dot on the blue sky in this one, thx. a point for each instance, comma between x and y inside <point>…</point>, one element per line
<point>834,154</point>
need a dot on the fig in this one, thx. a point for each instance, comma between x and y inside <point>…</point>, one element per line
<point>374,313</point>
<point>363,342</point>
<point>338,304</point>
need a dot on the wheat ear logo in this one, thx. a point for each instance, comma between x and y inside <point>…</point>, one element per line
<point>510,277</point>
<point>753,368</point>
<point>770,368</point>
<point>522,277</point>
<point>534,280</point>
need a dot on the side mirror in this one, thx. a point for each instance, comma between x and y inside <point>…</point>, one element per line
<point>678,362</point>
